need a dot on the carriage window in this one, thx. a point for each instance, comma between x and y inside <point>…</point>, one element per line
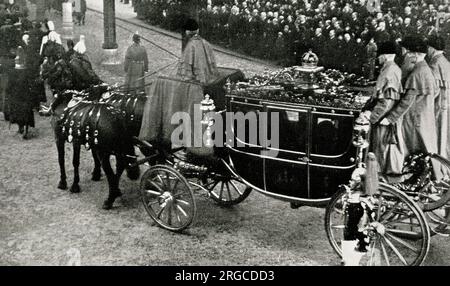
<point>331,134</point>
<point>246,123</point>
<point>293,129</point>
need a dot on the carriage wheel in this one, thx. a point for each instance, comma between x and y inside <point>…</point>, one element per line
<point>436,194</point>
<point>401,235</point>
<point>438,221</point>
<point>168,198</point>
<point>226,190</point>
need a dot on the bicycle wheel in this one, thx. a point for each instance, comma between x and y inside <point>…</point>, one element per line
<point>398,232</point>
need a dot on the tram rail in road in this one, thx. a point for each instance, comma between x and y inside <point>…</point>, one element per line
<point>178,37</point>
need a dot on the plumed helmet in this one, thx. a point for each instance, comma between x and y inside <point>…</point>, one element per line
<point>80,47</point>
<point>54,37</point>
<point>190,25</point>
<point>386,48</point>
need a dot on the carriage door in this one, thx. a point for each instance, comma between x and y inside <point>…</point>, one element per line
<point>287,172</point>
<point>246,146</point>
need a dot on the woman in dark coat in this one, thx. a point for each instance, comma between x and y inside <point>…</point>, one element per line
<point>20,101</point>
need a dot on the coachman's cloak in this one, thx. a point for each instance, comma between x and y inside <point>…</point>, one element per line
<point>198,62</point>
<point>417,109</point>
<point>387,93</point>
<point>441,70</point>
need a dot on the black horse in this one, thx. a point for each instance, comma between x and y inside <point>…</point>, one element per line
<point>99,127</point>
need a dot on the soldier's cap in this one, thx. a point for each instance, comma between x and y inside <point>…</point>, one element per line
<point>136,38</point>
<point>190,25</point>
<point>436,42</point>
<point>388,47</point>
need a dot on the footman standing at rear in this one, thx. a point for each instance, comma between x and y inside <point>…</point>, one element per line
<point>387,94</point>
<point>417,105</point>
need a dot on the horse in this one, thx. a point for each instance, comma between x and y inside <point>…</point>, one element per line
<point>99,127</point>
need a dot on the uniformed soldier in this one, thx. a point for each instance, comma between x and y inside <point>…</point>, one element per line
<point>136,64</point>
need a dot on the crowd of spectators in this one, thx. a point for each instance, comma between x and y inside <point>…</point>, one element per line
<point>344,33</point>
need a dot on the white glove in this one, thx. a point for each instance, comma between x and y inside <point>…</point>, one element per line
<point>367,114</point>
<point>385,122</point>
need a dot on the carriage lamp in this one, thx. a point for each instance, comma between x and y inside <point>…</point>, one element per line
<point>207,106</point>
<point>228,86</point>
<point>360,133</point>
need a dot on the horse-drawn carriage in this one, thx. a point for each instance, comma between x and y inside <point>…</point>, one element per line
<point>319,160</point>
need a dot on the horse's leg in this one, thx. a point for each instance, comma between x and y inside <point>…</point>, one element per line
<point>62,168</point>
<point>112,181</point>
<point>76,164</point>
<point>25,135</point>
<point>120,167</point>
<point>97,173</point>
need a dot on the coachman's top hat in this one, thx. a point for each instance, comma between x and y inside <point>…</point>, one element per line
<point>436,42</point>
<point>407,42</point>
<point>415,44</point>
<point>190,25</point>
<point>386,48</point>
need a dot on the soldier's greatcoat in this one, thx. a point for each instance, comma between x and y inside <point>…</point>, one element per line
<point>441,70</point>
<point>387,94</point>
<point>417,109</point>
<point>136,64</point>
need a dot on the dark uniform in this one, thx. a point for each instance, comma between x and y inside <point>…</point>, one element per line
<point>136,64</point>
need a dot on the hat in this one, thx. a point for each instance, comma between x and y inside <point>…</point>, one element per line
<point>436,42</point>
<point>417,45</point>
<point>386,48</point>
<point>136,37</point>
<point>191,25</point>
<point>407,42</point>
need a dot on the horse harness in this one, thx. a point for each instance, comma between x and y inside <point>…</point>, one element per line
<point>79,121</point>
